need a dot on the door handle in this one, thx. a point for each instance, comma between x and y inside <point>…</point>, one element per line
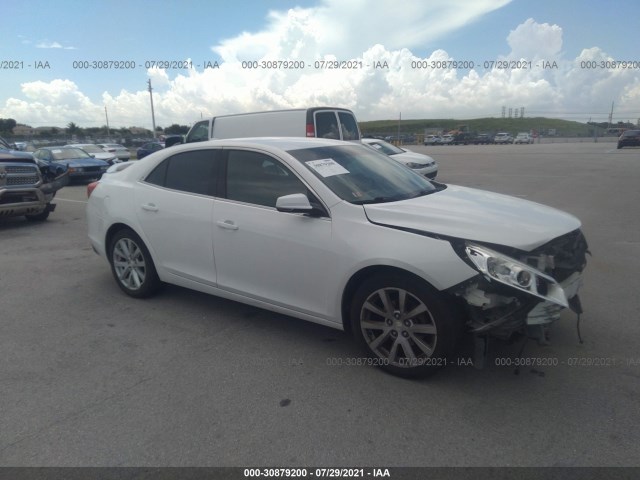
<point>227,224</point>
<point>150,207</point>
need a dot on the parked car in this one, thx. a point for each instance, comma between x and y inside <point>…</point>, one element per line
<point>341,235</point>
<point>463,138</point>
<point>432,140</point>
<point>419,163</point>
<point>96,152</point>
<point>5,145</point>
<point>446,139</point>
<point>629,138</point>
<point>120,151</point>
<point>523,138</point>
<point>148,148</point>
<point>27,188</point>
<point>483,139</point>
<point>503,138</point>
<point>80,164</point>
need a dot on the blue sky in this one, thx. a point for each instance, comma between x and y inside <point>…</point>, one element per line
<point>567,32</point>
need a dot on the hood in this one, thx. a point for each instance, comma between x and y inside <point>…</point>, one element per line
<point>409,156</point>
<point>103,156</point>
<point>85,162</point>
<point>478,215</point>
<point>17,155</point>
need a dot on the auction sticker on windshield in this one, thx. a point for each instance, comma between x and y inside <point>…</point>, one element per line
<point>327,167</point>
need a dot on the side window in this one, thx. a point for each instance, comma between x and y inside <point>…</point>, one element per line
<point>158,174</point>
<point>259,179</point>
<point>199,132</point>
<point>348,126</point>
<point>327,125</point>
<point>193,172</point>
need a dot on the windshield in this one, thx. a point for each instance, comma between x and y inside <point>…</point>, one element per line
<point>360,175</point>
<point>69,154</point>
<point>385,147</point>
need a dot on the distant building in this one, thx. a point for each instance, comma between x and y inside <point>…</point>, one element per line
<point>23,131</point>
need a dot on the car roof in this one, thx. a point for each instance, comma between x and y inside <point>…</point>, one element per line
<point>283,143</point>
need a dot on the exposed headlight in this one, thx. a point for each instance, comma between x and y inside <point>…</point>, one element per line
<point>415,165</point>
<point>501,268</point>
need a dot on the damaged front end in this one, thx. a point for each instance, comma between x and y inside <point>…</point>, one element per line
<point>519,292</point>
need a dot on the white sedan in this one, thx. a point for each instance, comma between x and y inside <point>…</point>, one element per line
<point>422,164</point>
<point>118,150</point>
<point>96,152</point>
<point>338,234</point>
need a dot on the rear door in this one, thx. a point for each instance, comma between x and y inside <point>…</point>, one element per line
<point>336,124</point>
<point>174,205</point>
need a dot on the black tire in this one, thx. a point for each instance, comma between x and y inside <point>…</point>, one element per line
<point>405,326</point>
<point>132,265</point>
<point>39,217</point>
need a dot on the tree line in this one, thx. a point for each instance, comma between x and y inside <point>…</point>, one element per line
<point>8,124</point>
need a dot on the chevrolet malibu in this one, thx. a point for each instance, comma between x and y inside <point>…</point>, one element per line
<point>340,235</point>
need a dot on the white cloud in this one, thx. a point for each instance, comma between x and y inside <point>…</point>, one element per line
<point>54,45</point>
<point>346,29</point>
<point>310,34</point>
<point>535,41</point>
<point>52,103</point>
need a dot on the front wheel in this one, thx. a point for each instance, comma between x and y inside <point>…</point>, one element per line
<point>405,325</point>
<point>132,266</point>
<point>39,217</point>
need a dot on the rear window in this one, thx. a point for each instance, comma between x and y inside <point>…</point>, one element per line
<point>336,125</point>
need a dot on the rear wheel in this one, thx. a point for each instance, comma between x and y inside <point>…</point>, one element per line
<point>406,327</point>
<point>132,266</point>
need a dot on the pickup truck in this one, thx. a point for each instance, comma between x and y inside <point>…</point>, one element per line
<point>27,188</point>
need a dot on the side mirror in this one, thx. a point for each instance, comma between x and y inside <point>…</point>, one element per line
<point>169,142</point>
<point>299,203</point>
<point>294,203</point>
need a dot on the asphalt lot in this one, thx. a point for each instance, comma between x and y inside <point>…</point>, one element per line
<point>90,377</point>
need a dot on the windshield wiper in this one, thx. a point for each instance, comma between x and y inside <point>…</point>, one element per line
<point>380,200</point>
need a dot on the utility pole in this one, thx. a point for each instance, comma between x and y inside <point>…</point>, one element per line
<point>107,117</point>
<point>611,116</point>
<point>153,115</point>
<point>399,120</point>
